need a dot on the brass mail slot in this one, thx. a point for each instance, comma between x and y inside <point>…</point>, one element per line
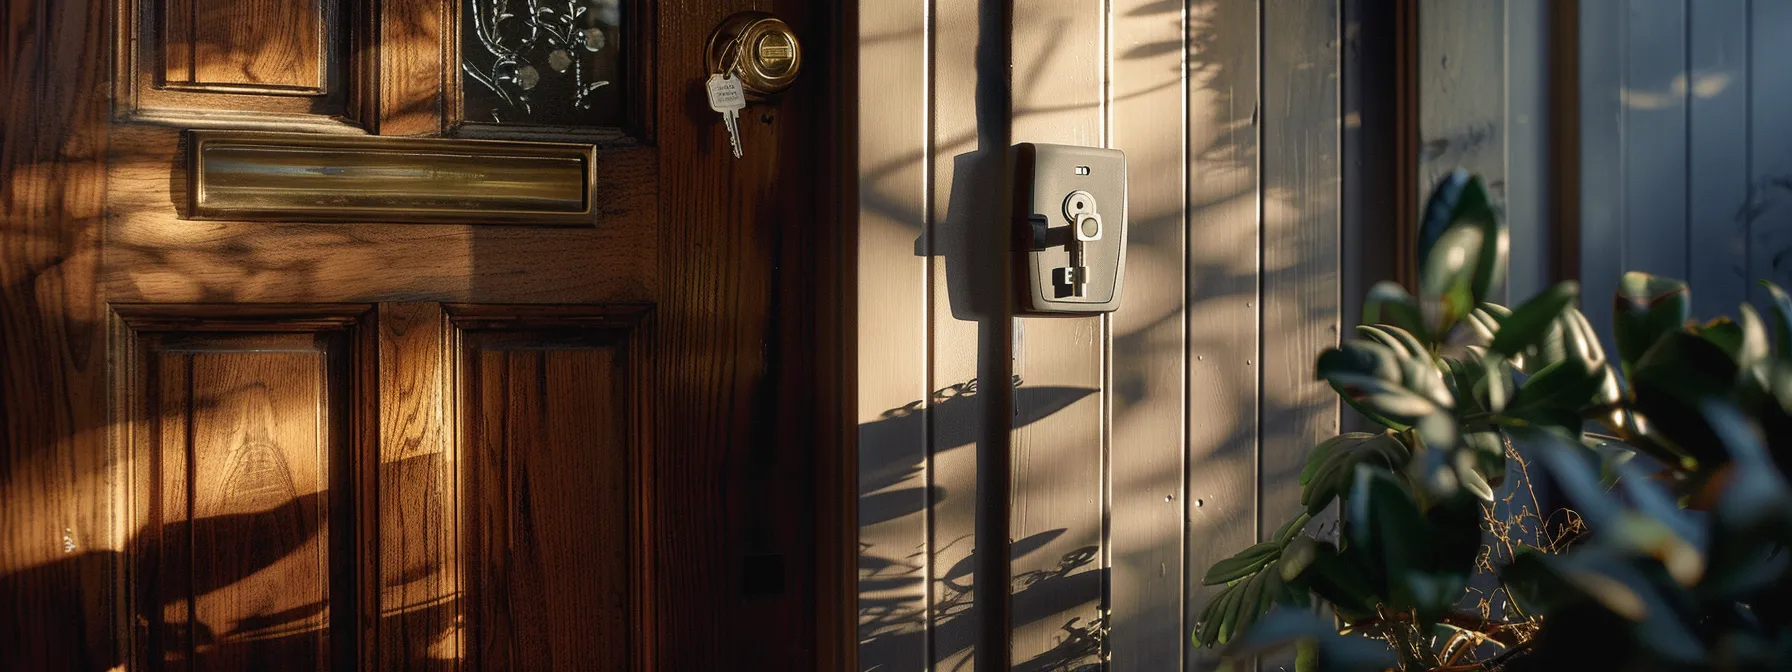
<point>308,177</point>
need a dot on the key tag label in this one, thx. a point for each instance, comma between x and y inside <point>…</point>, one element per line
<point>725,93</point>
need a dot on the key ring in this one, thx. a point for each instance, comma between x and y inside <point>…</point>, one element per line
<point>731,54</point>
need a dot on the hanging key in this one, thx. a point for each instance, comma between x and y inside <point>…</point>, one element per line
<point>728,98</point>
<point>1079,208</point>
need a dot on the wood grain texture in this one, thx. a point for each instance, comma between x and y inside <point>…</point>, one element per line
<point>413,64</point>
<point>713,293</point>
<point>154,255</point>
<point>247,545</point>
<point>262,64</point>
<point>1059,460</point>
<point>59,548</point>
<point>1224,271</point>
<point>260,43</point>
<point>1769,212</point>
<point>1300,181</point>
<point>731,532</point>
<point>1717,147</point>
<point>547,455</point>
<point>1148,340</point>
<point>894,485</point>
<point>256,452</point>
<point>419,575</point>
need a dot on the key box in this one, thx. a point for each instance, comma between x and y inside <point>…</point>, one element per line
<point>1070,228</point>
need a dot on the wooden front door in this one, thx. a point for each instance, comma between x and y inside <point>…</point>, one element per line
<point>327,399</point>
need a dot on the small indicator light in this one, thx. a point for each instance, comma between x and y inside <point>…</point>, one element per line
<point>1082,170</point>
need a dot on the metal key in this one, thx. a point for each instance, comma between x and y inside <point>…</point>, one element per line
<point>727,97</point>
<point>1079,208</point>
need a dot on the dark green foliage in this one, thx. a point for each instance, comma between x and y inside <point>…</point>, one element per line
<point>1674,554</point>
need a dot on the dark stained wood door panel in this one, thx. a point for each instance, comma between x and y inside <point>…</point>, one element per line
<point>550,452</point>
<point>615,443</point>
<point>243,462</point>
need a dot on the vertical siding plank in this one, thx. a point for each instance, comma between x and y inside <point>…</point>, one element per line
<point>1462,93</point>
<point>1717,153</point>
<point>1300,183</point>
<point>1770,155</point>
<point>1602,134</point>
<point>1224,231</point>
<point>1528,170</point>
<point>1654,100</point>
<point>1148,340</point>
<point>893,612</point>
<point>1059,59</point>
<point>967,322</point>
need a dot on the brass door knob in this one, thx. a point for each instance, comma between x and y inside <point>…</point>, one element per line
<point>758,48</point>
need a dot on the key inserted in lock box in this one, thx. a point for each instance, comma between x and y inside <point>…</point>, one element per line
<point>1070,219</point>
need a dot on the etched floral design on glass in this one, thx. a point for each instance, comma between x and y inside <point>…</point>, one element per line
<point>542,62</point>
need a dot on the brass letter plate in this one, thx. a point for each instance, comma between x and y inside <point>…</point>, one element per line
<point>310,177</point>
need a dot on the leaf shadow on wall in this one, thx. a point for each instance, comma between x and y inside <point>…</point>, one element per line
<point>892,617</point>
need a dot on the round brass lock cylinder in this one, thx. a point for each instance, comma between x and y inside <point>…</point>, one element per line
<point>758,48</point>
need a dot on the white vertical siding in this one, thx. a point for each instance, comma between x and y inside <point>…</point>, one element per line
<point>1115,457</point>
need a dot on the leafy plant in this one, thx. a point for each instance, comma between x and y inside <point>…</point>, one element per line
<point>1667,553</point>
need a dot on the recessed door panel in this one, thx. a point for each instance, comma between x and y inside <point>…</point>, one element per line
<point>551,498</point>
<point>243,465</point>
<point>269,46</point>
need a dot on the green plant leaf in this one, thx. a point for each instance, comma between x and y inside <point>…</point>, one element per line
<point>1321,648</point>
<point>1213,615</point>
<point>1630,588</point>
<point>1568,385</point>
<point>1479,327</point>
<point>1290,528</point>
<point>1385,526</point>
<point>1446,288</point>
<point>1402,343</point>
<point>1390,389</point>
<point>1462,250</point>
<point>1320,567</point>
<point>1247,610</point>
<point>1460,199</point>
<point>1486,450</point>
<point>1479,384</point>
<point>1744,339</point>
<point>1245,563</point>
<point>1449,472</point>
<point>1645,308</point>
<point>1530,322</point>
<point>1331,477</point>
<point>1389,303</point>
<point>1672,380</point>
<point>1782,319</point>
